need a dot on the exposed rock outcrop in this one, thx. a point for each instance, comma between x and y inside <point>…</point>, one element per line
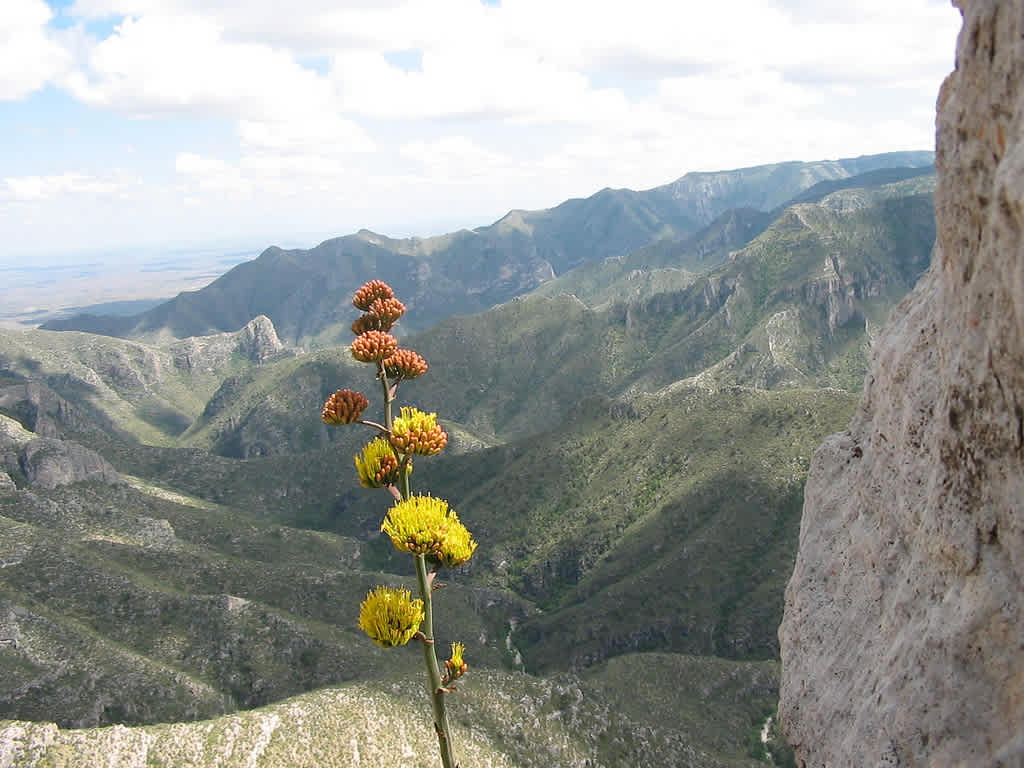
<point>256,341</point>
<point>48,463</point>
<point>902,637</point>
<point>44,411</point>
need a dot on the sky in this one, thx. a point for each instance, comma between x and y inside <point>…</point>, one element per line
<point>131,124</point>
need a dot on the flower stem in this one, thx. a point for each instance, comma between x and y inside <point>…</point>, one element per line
<point>433,669</point>
<point>389,397</point>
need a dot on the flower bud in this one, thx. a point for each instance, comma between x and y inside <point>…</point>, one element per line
<point>370,292</point>
<point>344,407</point>
<point>387,310</point>
<point>418,432</point>
<point>365,323</point>
<point>390,616</point>
<point>456,666</point>
<point>373,346</point>
<point>404,364</point>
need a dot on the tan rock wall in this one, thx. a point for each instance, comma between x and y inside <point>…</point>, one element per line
<point>903,636</point>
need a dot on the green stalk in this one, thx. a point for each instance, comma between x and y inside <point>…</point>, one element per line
<point>389,423</point>
<point>388,398</point>
<point>433,669</point>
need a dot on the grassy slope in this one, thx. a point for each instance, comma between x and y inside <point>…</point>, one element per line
<point>622,524</point>
<point>152,392</point>
<point>130,604</point>
<point>565,517</point>
<point>706,718</point>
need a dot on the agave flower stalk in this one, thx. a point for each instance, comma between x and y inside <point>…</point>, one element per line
<point>422,526</point>
<point>437,690</point>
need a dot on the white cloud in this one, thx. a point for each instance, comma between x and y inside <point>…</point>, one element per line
<point>181,64</point>
<point>456,159</point>
<point>471,80</point>
<point>29,56</point>
<point>119,185</point>
<point>327,134</point>
<point>212,177</point>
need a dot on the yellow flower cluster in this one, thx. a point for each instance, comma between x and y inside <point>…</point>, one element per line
<point>390,616</point>
<point>377,465</point>
<point>418,432</point>
<point>424,525</point>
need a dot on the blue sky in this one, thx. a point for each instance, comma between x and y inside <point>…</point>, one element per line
<point>166,123</point>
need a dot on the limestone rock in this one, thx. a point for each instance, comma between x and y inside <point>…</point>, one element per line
<point>41,409</point>
<point>12,434</point>
<point>48,463</point>
<point>258,339</point>
<point>903,635</point>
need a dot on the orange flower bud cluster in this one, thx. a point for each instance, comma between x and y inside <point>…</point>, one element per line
<point>381,316</point>
<point>387,311</point>
<point>365,323</point>
<point>370,292</point>
<point>405,364</point>
<point>381,309</point>
<point>344,407</point>
<point>373,346</point>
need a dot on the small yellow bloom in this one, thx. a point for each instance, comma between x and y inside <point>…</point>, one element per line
<point>423,525</point>
<point>456,666</point>
<point>418,432</point>
<point>377,465</point>
<point>390,616</point>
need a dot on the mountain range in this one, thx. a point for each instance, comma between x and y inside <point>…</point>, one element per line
<point>633,384</point>
<point>304,292</point>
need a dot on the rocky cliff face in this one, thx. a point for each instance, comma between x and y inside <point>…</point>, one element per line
<point>902,637</point>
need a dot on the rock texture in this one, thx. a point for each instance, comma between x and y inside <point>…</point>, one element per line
<point>903,637</point>
<point>257,341</point>
<point>48,463</point>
